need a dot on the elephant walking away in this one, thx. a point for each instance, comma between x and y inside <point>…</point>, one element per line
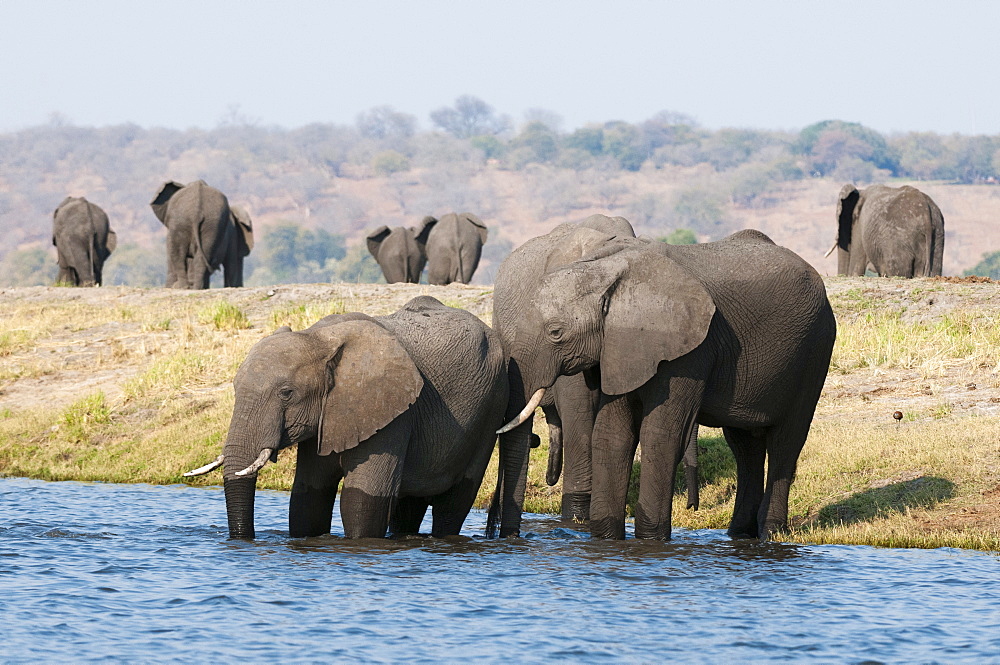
<point>203,233</point>
<point>735,334</point>
<point>897,232</point>
<point>83,239</point>
<point>454,245</point>
<point>404,408</point>
<point>401,252</point>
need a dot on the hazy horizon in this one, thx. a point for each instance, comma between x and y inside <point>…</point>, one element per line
<point>766,65</point>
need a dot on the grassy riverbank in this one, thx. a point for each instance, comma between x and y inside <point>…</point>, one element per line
<point>134,385</point>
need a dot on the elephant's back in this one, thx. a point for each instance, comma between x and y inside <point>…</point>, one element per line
<point>465,388</point>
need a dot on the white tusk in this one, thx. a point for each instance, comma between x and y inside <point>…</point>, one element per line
<point>201,470</point>
<point>526,413</point>
<point>256,466</point>
<point>830,251</point>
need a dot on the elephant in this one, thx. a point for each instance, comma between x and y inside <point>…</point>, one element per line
<point>83,239</point>
<point>736,334</point>
<point>401,252</point>
<point>572,404</point>
<point>898,232</point>
<point>203,233</point>
<point>454,245</point>
<point>402,407</point>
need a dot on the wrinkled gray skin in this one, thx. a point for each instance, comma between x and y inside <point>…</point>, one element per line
<point>898,232</point>
<point>734,334</point>
<point>454,245</point>
<point>403,408</point>
<point>83,239</point>
<point>203,233</point>
<point>401,252</point>
<point>570,407</point>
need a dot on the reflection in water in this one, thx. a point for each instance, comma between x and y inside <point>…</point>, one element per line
<point>139,573</point>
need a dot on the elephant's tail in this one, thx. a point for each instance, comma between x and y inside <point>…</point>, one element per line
<point>198,249</point>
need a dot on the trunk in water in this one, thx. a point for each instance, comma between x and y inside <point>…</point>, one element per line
<point>239,505</point>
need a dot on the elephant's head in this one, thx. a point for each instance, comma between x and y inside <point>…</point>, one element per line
<point>162,198</point>
<point>627,307</point>
<point>332,385</point>
<point>477,224</point>
<point>241,219</point>
<point>847,201</point>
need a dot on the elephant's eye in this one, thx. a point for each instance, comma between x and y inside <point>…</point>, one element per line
<point>555,333</point>
<point>285,393</point>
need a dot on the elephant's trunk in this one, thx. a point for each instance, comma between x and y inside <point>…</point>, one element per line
<point>239,505</point>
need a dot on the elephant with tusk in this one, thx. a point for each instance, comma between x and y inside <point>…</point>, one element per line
<point>403,408</point>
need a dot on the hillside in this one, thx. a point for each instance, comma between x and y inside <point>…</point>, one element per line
<point>134,385</point>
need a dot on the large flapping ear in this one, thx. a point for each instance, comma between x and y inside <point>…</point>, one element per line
<point>478,223</point>
<point>578,243</point>
<point>846,202</point>
<point>375,238</point>
<point>243,222</point>
<point>111,242</point>
<point>655,311</point>
<point>371,380</point>
<point>159,202</point>
<point>423,229</point>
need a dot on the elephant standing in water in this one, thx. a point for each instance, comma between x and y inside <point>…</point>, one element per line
<point>401,252</point>
<point>571,406</point>
<point>898,232</point>
<point>735,334</point>
<point>404,408</point>
<point>454,245</point>
<point>203,233</point>
<point>83,239</point>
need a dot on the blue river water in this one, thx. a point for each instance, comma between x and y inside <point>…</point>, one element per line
<point>140,573</point>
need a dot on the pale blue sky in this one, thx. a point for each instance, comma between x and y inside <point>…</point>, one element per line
<point>894,66</point>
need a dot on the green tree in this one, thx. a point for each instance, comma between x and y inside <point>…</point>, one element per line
<point>358,267</point>
<point>133,265</point>
<point>389,162</point>
<point>680,237</point>
<point>988,267</point>
<point>470,116</point>
<point>28,267</point>
<point>624,142</point>
<point>826,143</point>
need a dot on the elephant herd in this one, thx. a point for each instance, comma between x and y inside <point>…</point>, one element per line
<point>618,339</point>
<point>205,232</point>
<point>450,247</point>
<point>651,339</point>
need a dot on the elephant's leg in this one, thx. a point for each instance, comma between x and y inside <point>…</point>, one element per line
<point>176,262</point>
<point>749,453</point>
<point>68,276</point>
<point>408,515</point>
<point>314,490</point>
<point>450,508</point>
<point>784,443</point>
<point>555,462</point>
<point>373,473</point>
<point>691,468</point>
<point>233,270</point>
<point>615,439</point>
<point>577,404</point>
<point>665,434</point>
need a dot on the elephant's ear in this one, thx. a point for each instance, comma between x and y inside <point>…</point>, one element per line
<point>159,202</point>
<point>243,222</point>
<point>478,223</point>
<point>422,230</point>
<point>846,202</point>
<point>371,380</point>
<point>656,311</point>
<point>111,242</point>
<point>375,238</point>
<point>578,243</point>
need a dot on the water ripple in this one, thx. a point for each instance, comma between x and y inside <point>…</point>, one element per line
<point>98,572</point>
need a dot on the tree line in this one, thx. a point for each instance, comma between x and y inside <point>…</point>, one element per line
<point>738,167</point>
